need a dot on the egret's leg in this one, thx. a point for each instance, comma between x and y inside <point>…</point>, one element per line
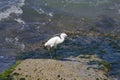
<point>50,52</point>
<point>55,52</point>
<point>50,55</point>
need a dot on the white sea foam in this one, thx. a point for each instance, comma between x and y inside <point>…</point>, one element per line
<point>1,57</point>
<point>50,14</point>
<point>9,40</point>
<point>41,11</point>
<point>46,4</point>
<point>21,3</point>
<point>13,8</point>
<point>22,46</point>
<point>19,21</point>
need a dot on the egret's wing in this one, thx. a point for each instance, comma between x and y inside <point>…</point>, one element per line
<point>51,41</point>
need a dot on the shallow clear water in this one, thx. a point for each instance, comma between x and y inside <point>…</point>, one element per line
<point>28,19</point>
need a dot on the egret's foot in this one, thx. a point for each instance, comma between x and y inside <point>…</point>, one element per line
<point>50,55</point>
<point>55,55</point>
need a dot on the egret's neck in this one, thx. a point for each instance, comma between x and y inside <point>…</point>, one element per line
<point>62,38</point>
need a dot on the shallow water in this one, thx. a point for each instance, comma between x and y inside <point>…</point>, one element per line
<point>26,23</point>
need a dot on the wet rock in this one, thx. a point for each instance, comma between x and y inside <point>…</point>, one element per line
<point>105,24</point>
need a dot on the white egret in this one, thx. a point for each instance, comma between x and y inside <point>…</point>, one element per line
<point>54,41</point>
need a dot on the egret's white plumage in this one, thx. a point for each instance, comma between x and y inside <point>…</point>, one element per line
<point>54,41</point>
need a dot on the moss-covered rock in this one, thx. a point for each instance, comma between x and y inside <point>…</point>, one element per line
<point>6,75</point>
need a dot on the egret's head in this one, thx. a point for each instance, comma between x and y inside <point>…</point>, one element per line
<point>63,35</point>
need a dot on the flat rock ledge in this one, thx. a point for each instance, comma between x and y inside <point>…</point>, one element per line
<point>48,69</point>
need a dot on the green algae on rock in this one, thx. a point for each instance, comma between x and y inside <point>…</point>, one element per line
<point>6,75</point>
